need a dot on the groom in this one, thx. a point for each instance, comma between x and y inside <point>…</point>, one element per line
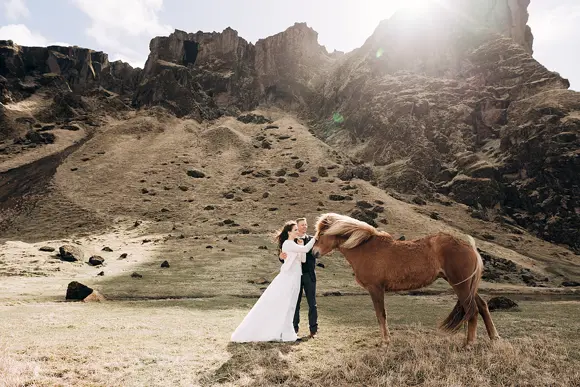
<point>308,281</point>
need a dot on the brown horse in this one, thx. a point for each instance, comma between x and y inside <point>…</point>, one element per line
<point>381,263</point>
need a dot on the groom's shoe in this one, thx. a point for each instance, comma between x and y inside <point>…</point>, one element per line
<point>312,335</point>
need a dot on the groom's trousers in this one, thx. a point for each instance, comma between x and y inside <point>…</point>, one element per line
<point>308,285</point>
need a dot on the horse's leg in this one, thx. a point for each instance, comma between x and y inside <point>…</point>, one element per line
<point>484,311</point>
<point>378,297</point>
<point>469,304</point>
<point>471,331</point>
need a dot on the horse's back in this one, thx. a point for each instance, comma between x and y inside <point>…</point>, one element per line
<point>408,264</point>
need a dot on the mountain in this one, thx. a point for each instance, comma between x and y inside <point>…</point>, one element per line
<point>440,107</point>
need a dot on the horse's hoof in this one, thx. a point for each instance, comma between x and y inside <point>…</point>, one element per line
<point>468,346</point>
<point>495,338</point>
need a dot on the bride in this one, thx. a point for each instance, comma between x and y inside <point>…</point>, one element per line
<point>270,319</point>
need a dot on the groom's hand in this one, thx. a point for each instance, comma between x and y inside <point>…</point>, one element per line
<point>283,255</point>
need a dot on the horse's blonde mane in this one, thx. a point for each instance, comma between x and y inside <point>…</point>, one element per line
<point>354,230</point>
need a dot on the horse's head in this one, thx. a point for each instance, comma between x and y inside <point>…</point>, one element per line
<point>325,243</point>
<point>339,231</point>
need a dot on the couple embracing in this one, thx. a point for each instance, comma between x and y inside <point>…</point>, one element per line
<point>276,314</point>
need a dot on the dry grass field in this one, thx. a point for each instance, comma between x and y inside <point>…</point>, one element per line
<point>186,342</point>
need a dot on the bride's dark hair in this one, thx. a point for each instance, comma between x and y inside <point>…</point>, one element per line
<point>281,235</point>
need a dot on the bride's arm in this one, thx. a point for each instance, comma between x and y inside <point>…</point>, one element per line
<point>296,248</point>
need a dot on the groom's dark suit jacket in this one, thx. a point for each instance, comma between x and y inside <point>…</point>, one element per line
<point>308,267</point>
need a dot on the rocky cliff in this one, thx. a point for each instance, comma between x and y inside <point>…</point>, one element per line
<point>447,101</point>
<point>450,110</point>
<point>286,67</point>
<point>25,69</point>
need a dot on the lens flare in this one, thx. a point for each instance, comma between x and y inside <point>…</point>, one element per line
<point>337,118</point>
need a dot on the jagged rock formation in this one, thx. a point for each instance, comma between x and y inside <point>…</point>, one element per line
<point>202,67</point>
<point>446,101</point>
<point>290,65</point>
<point>174,87</point>
<point>64,74</point>
<point>540,145</point>
<point>26,69</point>
<point>285,68</point>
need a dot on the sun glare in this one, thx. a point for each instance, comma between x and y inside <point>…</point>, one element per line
<point>415,5</point>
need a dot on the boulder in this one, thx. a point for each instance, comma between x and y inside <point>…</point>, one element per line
<point>70,253</point>
<point>356,172</point>
<point>95,296</point>
<point>501,303</point>
<point>77,291</point>
<point>364,204</point>
<point>195,173</point>
<point>96,260</point>
<point>365,216</point>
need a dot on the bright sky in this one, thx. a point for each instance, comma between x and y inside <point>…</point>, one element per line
<point>123,28</point>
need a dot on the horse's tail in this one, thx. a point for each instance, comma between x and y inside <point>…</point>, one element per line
<point>465,309</point>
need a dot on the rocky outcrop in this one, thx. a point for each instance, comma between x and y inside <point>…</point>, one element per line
<point>220,51</point>
<point>26,69</point>
<point>4,90</point>
<point>284,68</point>
<point>541,147</point>
<point>507,17</point>
<point>290,65</point>
<point>175,87</point>
<point>119,77</point>
<point>427,109</point>
<point>6,129</point>
<point>222,64</point>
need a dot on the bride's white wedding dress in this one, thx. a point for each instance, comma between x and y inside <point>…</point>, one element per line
<point>270,319</point>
